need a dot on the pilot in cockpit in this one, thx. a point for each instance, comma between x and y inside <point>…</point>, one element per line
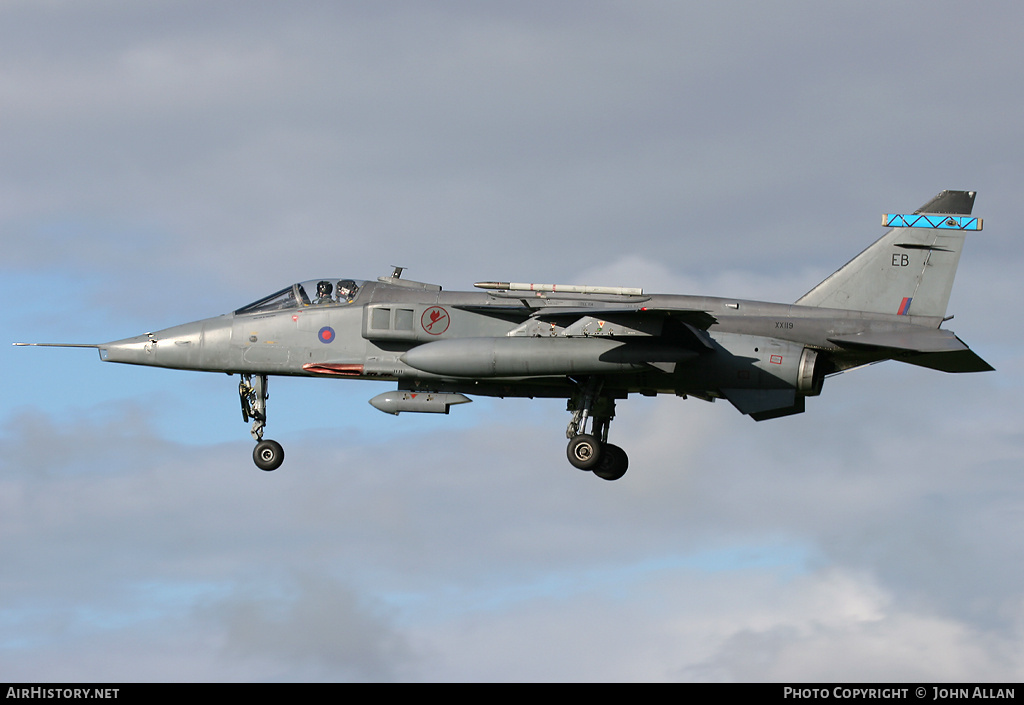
<point>323,293</point>
<point>347,290</point>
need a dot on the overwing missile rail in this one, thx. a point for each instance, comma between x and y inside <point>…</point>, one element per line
<point>561,288</point>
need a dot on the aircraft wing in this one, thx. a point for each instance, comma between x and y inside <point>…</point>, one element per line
<point>632,317</point>
<point>559,341</point>
<point>935,348</point>
<point>547,312</point>
<point>682,327</point>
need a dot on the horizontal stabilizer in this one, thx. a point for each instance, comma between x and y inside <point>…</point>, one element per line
<point>957,361</point>
<point>922,340</point>
<point>935,348</point>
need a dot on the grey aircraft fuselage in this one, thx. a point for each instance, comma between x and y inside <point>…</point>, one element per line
<point>590,345</point>
<point>369,337</point>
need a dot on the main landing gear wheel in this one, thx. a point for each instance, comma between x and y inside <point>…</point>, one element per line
<point>612,463</point>
<point>592,451</point>
<point>584,451</point>
<point>268,455</point>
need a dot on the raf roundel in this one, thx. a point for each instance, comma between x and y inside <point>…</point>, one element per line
<point>326,334</point>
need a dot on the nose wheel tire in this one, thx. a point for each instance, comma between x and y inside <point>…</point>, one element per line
<point>584,451</point>
<point>268,455</point>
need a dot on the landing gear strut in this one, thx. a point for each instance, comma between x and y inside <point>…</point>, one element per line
<point>592,451</point>
<point>252,391</point>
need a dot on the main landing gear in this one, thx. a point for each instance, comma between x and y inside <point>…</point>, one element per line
<point>252,390</point>
<point>592,451</point>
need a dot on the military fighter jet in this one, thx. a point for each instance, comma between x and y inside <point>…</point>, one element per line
<point>591,345</point>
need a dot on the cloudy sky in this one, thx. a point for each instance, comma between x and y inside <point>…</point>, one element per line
<point>166,161</point>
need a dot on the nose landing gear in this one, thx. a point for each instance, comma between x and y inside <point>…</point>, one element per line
<point>268,455</point>
<point>252,391</point>
<point>592,451</point>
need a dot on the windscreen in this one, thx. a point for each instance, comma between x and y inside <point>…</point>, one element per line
<point>315,292</point>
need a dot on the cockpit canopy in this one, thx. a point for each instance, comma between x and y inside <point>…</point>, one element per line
<point>315,292</point>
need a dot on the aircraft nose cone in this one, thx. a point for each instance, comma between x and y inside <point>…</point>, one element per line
<point>134,351</point>
<point>180,347</point>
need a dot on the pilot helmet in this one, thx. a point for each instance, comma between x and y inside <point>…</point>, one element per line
<point>323,289</point>
<point>347,288</point>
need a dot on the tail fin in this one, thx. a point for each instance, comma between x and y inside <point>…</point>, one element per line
<point>908,271</point>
